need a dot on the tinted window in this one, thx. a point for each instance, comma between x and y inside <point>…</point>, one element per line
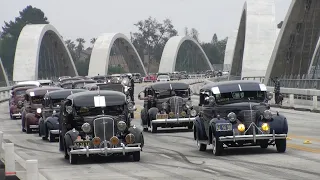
<point>67,86</point>
<point>20,92</point>
<point>37,99</point>
<point>93,111</point>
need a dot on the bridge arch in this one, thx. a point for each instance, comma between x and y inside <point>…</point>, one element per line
<point>295,51</point>
<point>101,53</point>
<point>4,81</point>
<point>255,39</point>
<point>171,50</point>
<point>41,53</point>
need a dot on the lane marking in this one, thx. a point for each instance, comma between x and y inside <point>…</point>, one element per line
<point>303,137</point>
<point>163,155</point>
<point>304,148</point>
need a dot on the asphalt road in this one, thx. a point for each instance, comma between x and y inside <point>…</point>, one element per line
<point>172,154</point>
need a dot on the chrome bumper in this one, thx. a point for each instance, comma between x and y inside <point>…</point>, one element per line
<point>253,137</point>
<point>34,126</point>
<point>16,115</point>
<point>123,149</point>
<point>174,120</point>
<point>56,132</point>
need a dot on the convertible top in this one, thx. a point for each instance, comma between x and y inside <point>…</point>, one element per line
<point>86,98</point>
<point>169,85</point>
<point>233,86</point>
<point>62,94</point>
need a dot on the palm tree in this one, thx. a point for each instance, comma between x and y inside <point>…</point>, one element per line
<point>80,46</point>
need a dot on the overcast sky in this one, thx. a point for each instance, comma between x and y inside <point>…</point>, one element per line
<point>88,19</point>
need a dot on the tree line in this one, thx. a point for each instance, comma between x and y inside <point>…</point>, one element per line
<point>149,41</point>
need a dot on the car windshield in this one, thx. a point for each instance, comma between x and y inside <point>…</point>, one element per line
<point>136,75</point>
<point>67,86</point>
<point>20,92</point>
<point>184,93</point>
<point>240,96</point>
<point>80,85</point>
<point>56,102</point>
<point>163,77</point>
<point>94,111</point>
<point>37,99</point>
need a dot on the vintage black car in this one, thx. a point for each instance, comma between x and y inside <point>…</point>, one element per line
<point>100,79</point>
<point>49,121</point>
<point>98,123</point>
<point>137,77</point>
<point>80,83</point>
<point>167,105</point>
<point>66,85</point>
<point>235,114</point>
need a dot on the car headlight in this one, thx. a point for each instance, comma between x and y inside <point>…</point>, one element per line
<point>69,109</point>
<point>39,110</point>
<point>188,104</point>
<point>193,112</point>
<point>164,105</point>
<point>20,103</point>
<point>232,117</point>
<point>131,106</point>
<point>267,114</point>
<point>122,125</point>
<point>86,127</point>
<point>54,112</point>
<point>265,127</point>
<point>125,82</point>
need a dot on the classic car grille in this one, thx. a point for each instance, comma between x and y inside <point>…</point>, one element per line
<point>249,116</point>
<point>176,104</point>
<point>104,128</point>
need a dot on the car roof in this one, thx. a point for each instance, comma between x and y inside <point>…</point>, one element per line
<point>24,85</point>
<point>169,85</point>
<point>87,98</point>
<point>232,86</point>
<point>84,81</point>
<point>23,88</point>
<point>36,83</point>
<point>63,93</point>
<point>44,81</point>
<point>39,91</point>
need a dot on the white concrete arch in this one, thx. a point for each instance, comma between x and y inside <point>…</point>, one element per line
<point>26,60</point>
<point>255,40</point>
<point>3,76</point>
<point>228,55</point>
<point>99,60</point>
<point>170,53</point>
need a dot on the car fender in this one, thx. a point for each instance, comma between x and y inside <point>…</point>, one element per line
<point>199,128</point>
<point>279,124</point>
<point>52,123</point>
<point>70,137</point>
<point>137,134</point>
<point>152,113</point>
<point>31,119</point>
<point>144,116</point>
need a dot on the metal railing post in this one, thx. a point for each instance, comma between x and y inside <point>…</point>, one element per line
<point>32,170</point>
<point>315,102</point>
<point>9,158</point>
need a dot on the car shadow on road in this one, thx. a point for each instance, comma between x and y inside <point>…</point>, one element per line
<point>83,160</point>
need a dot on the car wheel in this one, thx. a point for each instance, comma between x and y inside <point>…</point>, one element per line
<point>190,127</point>
<point>145,129</point>
<point>217,146</point>
<point>136,156</point>
<point>264,144</point>
<point>132,115</point>
<point>153,128</point>
<point>29,130</point>
<point>201,147</point>
<point>281,145</point>
<point>11,117</point>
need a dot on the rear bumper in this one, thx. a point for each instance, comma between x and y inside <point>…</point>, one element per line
<point>253,137</point>
<point>123,149</point>
<point>55,132</point>
<point>173,121</point>
<point>33,126</point>
<point>16,115</point>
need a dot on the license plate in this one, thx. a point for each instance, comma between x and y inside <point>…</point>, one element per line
<point>82,143</point>
<point>224,127</point>
<point>162,116</point>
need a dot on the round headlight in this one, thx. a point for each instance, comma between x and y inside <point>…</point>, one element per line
<point>193,112</point>
<point>122,125</point>
<point>188,104</point>
<point>125,81</point>
<point>86,127</point>
<point>39,110</point>
<point>164,105</point>
<point>20,103</point>
<point>130,106</point>
<point>54,112</point>
<point>232,116</point>
<point>267,114</point>
<point>69,109</point>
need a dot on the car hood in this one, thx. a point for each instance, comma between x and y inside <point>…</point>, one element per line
<point>223,110</point>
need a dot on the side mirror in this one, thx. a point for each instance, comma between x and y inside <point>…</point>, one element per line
<point>269,96</point>
<point>210,99</point>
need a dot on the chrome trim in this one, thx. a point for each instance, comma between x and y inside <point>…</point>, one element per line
<point>16,115</point>
<point>34,126</point>
<point>56,132</point>
<point>104,127</point>
<point>174,120</point>
<point>123,149</point>
<point>251,137</point>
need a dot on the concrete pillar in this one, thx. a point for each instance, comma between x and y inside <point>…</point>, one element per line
<point>291,100</point>
<point>2,166</point>
<point>9,159</point>
<point>32,170</point>
<point>315,102</point>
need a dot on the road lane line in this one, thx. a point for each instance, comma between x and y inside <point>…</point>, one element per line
<point>293,136</point>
